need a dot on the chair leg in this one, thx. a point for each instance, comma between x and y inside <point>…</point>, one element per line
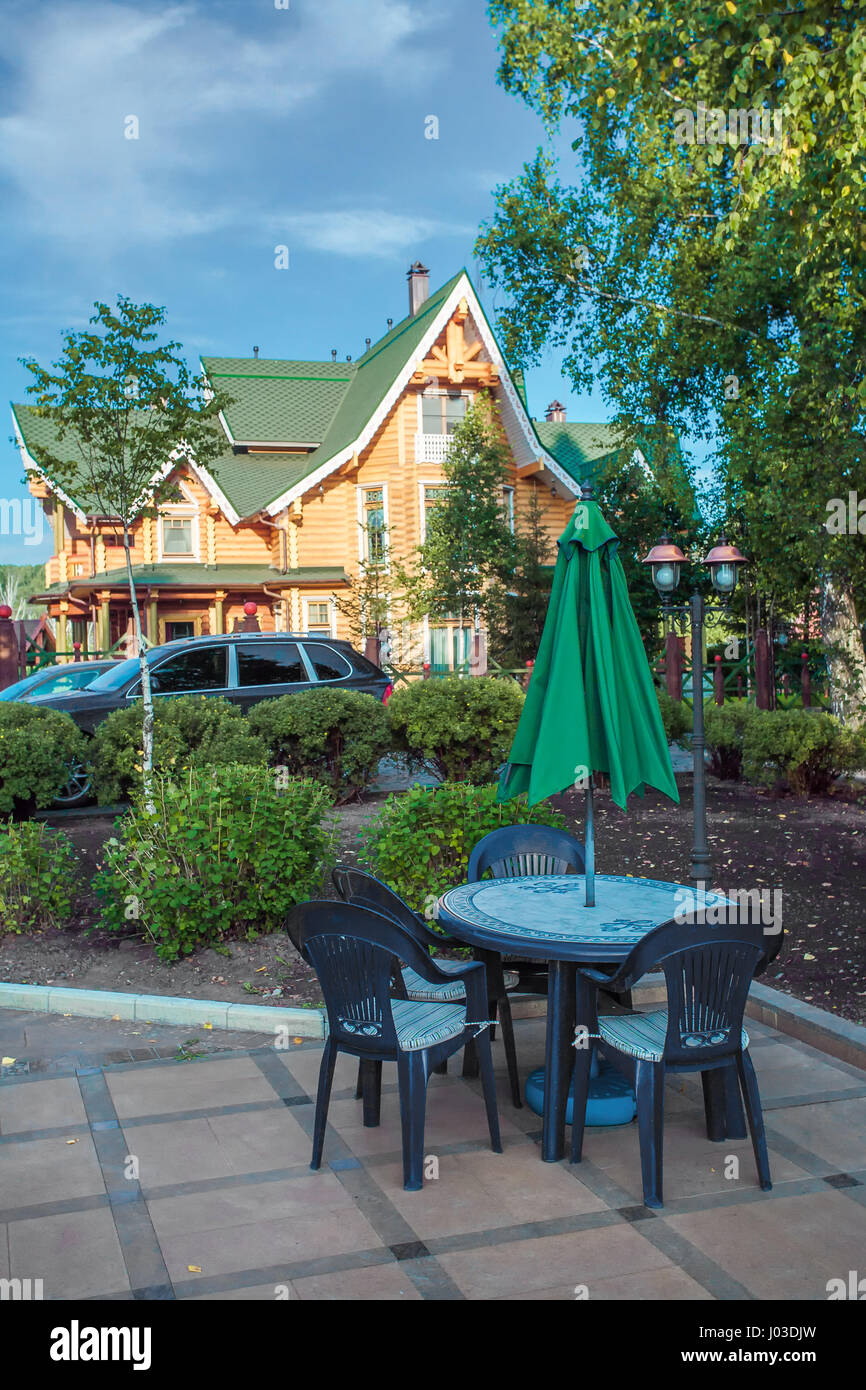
<point>582,1069</point>
<point>413,1100</point>
<point>755,1116</point>
<point>323,1097</point>
<point>649,1085</point>
<point>372,1090</point>
<point>510,1051</point>
<point>488,1085</point>
<point>359,1087</point>
<point>714,1104</point>
<point>441,1068</point>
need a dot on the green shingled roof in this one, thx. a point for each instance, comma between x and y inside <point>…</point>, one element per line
<point>578,447</point>
<point>277,402</point>
<point>195,576</point>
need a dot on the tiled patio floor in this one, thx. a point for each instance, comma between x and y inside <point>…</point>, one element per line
<point>189,1179</point>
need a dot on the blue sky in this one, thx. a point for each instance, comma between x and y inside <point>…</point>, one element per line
<point>258,126</point>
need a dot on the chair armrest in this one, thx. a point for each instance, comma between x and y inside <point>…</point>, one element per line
<point>617,979</point>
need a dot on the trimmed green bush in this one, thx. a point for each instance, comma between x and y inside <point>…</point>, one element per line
<point>421,840</point>
<point>188,730</point>
<point>460,729</point>
<point>676,716</point>
<point>336,736</point>
<point>38,746</point>
<point>725,726</point>
<point>808,750</point>
<point>38,877</point>
<point>225,857</point>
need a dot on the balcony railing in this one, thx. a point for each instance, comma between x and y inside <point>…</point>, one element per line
<point>431,448</point>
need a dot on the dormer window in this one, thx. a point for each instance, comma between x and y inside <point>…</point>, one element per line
<point>177,535</point>
<point>177,529</point>
<point>442,412</point>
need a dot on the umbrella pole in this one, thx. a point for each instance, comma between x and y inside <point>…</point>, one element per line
<point>589,847</point>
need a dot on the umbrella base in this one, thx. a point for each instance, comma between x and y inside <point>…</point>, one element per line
<point>611,1099</point>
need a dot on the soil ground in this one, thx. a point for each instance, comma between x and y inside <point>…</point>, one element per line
<point>814,850</point>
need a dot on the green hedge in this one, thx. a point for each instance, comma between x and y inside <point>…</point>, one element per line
<point>421,840</point>
<point>189,730</point>
<point>39,871</point>
<point>807,750</point>
<point>38,746</point>
<point>335,736</point>
<point>226,855</point>
<point>676,716</point>
<point>725,726</point>
<point>461,729</point>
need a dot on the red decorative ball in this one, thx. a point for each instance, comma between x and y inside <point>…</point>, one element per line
<point>251,609</point>
<point>5,610</point>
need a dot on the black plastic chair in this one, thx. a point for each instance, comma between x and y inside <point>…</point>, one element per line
<point>354,952</point>
<point>708,969</point>
<point>515,851</point>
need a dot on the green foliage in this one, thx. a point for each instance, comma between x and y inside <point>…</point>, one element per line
<point>38,874</point>
<point>335,736</point>
<point>37,748</point>
<point>462,729</point>
<point>469,549</point>
<point>712,285</point>
<point>189,730</point>
<point>515,616</point>
<point>16,582</point>
<point>808,750</point>
<point>421,840</point>
<point>725,726</point>
<point>676,716</point>
<point>225,856</point>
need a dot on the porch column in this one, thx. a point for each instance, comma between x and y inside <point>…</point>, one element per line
<point>218,601</point>
<point>62,628</point>
<point>104,620</point>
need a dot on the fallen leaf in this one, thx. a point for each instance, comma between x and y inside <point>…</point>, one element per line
<point>194,1269</point>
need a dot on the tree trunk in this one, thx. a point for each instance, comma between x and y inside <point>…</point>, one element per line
<point>146,696</point>
<point>843,648</point>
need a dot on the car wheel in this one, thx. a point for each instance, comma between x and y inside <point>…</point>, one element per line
<point>78,789</point>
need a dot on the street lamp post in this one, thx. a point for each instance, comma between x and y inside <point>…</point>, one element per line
<point>723,562</point>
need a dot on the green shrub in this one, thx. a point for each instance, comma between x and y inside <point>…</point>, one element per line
<point>421,840</point>
<point>37,748</point>
<point>808,750</point>
<point>725,726</point>
<point>336,736</point>
<point>226,855</point>
<point>676,716</point>
<point>188,729</point>
<point>38,873</point>
<point>461,729</point>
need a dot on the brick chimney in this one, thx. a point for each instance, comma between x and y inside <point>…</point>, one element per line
<point>555,412</point>
<point>419,286</point>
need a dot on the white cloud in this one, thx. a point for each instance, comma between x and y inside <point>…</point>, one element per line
<point>361,232</point>
<point>202,85</point>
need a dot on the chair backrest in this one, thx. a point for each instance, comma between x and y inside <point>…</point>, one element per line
<point>708,968</point>
<point>354,953</point>
<point>354,886</point>
<point>514,851</point>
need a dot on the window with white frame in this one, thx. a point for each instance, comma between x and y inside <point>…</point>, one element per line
<point>442,412</point>
<point>177,535</point>
<point>373,523</point>
<point>508,498</point>
<point>318,615</point>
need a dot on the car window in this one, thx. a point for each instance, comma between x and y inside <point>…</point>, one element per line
<point>201,669</point>
<point>270,663</point>
<point>328,664</point>
<point>116,676</point>
<point>66,679</point>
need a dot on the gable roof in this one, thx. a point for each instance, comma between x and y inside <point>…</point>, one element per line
<point>577,446</point>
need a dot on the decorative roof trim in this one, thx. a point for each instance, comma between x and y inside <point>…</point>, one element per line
<point>32,466</point>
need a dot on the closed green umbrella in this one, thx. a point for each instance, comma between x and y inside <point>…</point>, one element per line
<point>591,706</point>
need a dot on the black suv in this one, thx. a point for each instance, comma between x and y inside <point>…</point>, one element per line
<point>245,667</point>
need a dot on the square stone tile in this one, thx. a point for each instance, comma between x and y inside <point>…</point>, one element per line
<point>783,1070</point>
<point>171,1087</point>
<point>783,1247</point>
<point>388,1283</point>
<point>77,1255</point>
<point>834,1132</point>
<point>179,1151</point>
<point>255,1293</point>
<point>217,1208</point>
<point>693,1165</point>
<point>528,1266</point>
<point>304,1067</point>
<point>37,1171</point>
<point>41,1105</point>
<point>261,1140</point>
<point>263,1244</point>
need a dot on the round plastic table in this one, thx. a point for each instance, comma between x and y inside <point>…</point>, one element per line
<point>544,917</point>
